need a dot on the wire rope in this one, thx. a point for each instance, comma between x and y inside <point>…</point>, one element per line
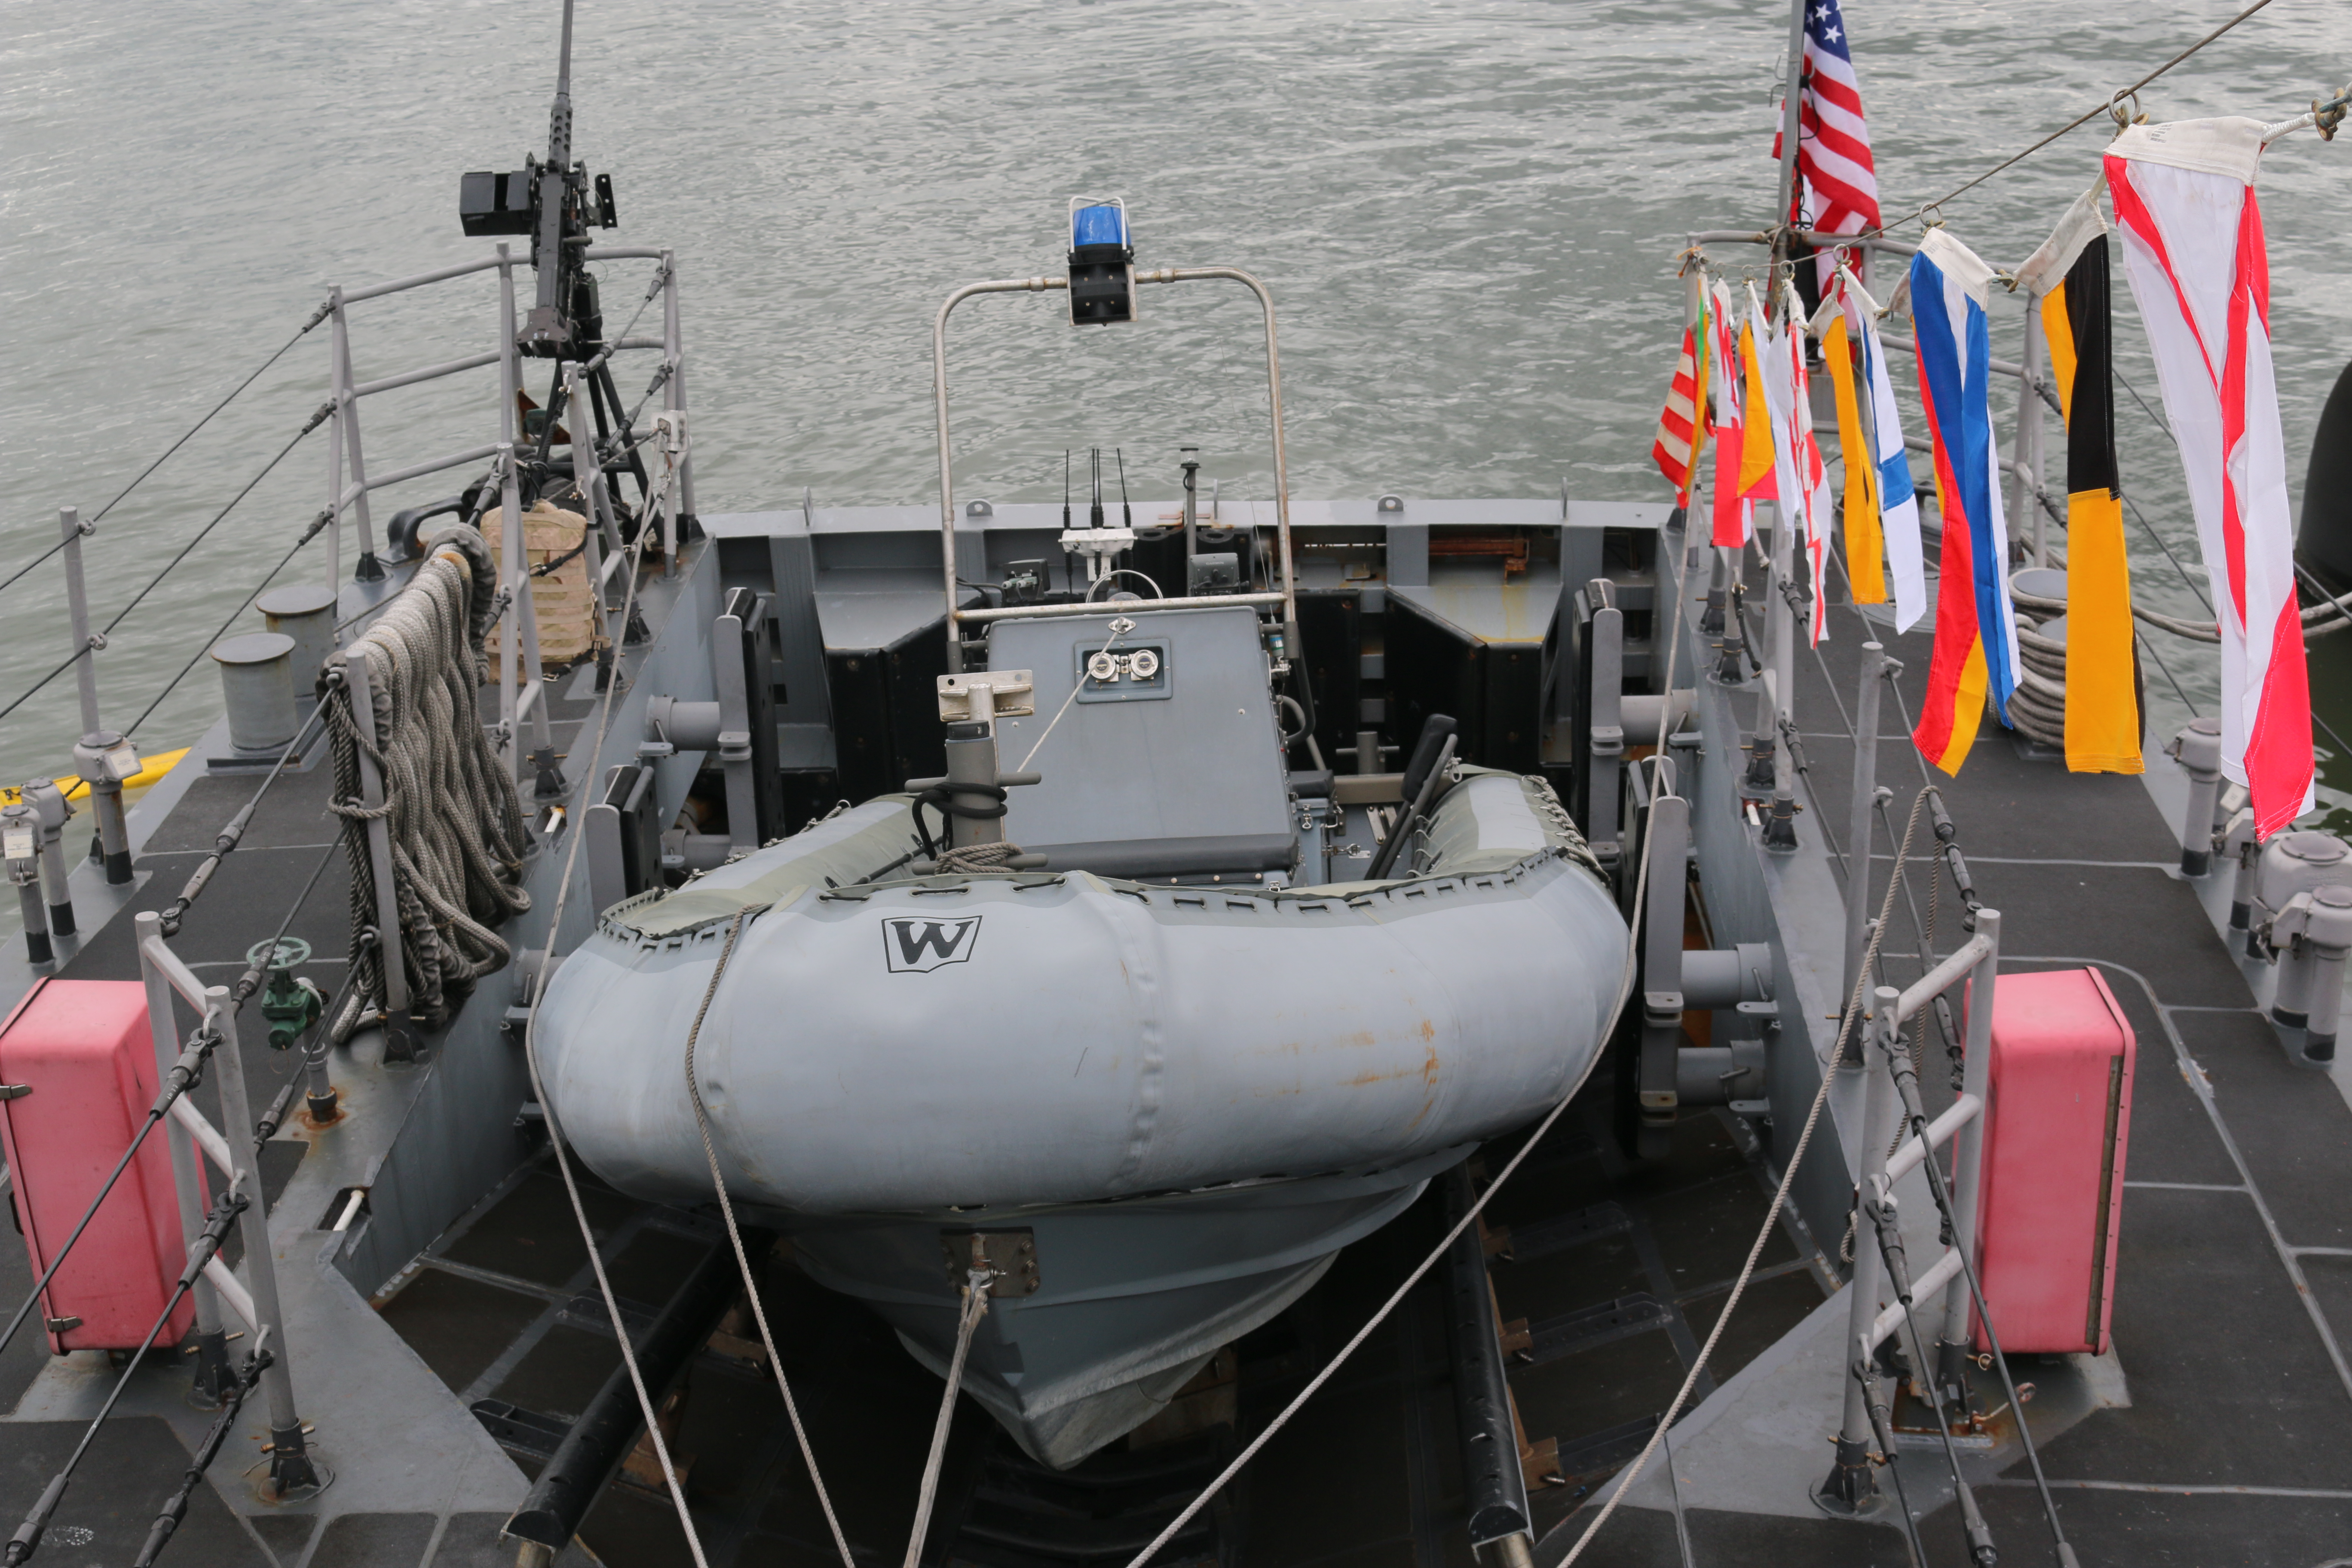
<point>206,646</point>
<point>742,1262</point>
<point>207,1246</point>
<point>316,317</point>
<point>1477,1204</point>
<point>12,577</point>
<point>200,533</point>
<point>30,691</point>
<point>2077,122</point>
<point>1779,1196</point>
<point>555,1132</point>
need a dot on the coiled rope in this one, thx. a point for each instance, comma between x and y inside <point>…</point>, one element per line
<point>450,809</point>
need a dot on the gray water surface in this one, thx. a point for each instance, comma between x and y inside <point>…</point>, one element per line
<point>1468,214</point>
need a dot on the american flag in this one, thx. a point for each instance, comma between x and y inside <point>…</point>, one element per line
<point>1840,193</point>
<point>1680,424</point>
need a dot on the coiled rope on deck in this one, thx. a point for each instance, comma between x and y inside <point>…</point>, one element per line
<point>453,817</point>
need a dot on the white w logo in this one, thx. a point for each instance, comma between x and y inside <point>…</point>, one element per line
<point>920,946</point>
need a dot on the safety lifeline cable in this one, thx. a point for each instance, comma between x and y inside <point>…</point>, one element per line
<point>1478,1203</point>
<point>735,1240</point>
<point>555,1132</point>
<point>1779,1194</point>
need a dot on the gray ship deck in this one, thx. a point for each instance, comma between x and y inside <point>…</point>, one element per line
<point>2221,1443</point>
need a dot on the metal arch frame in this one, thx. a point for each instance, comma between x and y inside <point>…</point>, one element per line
<point>1288,597</point>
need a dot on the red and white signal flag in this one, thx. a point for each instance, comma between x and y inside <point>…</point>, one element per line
<point>2192,244</point>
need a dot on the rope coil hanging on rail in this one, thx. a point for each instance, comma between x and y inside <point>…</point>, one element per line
<point>451,813</point>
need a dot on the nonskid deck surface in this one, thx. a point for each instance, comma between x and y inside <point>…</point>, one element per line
<point>504,1309</point>
<point>2230,1449</point>
<point>137,1457</point>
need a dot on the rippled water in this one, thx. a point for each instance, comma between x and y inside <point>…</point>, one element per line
<point>1468,214</point>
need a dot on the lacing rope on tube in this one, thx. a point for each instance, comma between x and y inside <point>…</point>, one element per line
<point>978,857</point>
<point>735,1240</point>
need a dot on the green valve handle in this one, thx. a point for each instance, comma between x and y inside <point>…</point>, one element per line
<point>291,1004</point>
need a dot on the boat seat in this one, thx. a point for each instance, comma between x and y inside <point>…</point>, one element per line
<point>1180,773</point>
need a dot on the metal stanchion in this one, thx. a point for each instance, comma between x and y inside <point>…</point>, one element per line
<point>1858,813</point>
<point>292,1464</point>
<point>215,1376</point>
<point>104,758</point>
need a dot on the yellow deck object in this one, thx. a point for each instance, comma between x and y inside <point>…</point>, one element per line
<point>75,789</point>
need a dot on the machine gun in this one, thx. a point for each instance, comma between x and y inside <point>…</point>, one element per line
<point>555,203</point>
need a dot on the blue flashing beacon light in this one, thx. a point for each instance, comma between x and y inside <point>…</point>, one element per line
<point>1102,262</point>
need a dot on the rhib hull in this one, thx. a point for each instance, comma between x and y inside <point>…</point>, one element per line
<point>1192,1097</point>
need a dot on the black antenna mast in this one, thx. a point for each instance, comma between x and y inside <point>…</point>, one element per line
<point>1126,513</point>
<point>1095,517</point>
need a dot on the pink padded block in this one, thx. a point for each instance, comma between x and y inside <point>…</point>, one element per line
<point>2057,1119</point>
<point>83,1048</point>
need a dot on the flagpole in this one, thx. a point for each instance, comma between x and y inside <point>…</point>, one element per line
<point>1788,122</point>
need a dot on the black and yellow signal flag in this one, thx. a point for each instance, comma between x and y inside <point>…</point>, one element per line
<point>2102,716</point>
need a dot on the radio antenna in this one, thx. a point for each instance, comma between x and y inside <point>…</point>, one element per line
<point>1095,516</point>
<point>1126,513</point>
<point>1065,489</point>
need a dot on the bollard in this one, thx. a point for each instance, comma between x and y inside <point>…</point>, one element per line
<point>2327,935</point>
<point>1858,830</point>
<point>2290,864</point>
<point>257,679</point>
<point>2198,750</point>
<point>305,612</point>
<point>20,840</point>
<point>51,811</point>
